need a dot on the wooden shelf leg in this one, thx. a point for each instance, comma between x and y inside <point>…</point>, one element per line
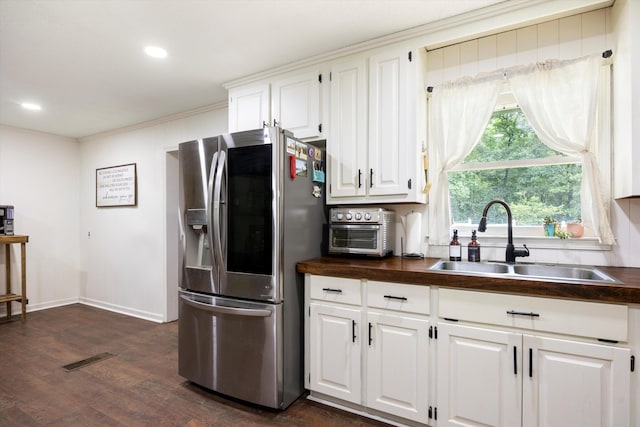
<point>7,260</point>
<point>23,262</point>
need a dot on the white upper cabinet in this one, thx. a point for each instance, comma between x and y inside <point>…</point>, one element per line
<point>295,103</point>
<point>292,101</point>
<point>389,81</point>
<point>375,139</point>
<point>248,107</point>
<point>347,144</point>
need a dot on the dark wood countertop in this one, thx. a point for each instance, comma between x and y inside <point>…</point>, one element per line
<point>416,271</point>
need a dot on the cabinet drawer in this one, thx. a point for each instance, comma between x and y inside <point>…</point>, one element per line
<point>579,318</point>
<point>399,297</point>
<point>336,289</point>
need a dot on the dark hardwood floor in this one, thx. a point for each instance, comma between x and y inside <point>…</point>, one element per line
<point>139,386</point>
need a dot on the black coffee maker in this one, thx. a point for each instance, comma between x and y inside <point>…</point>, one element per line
<point>6,220</point>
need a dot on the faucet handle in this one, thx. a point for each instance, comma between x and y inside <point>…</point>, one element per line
<point>521,252</point>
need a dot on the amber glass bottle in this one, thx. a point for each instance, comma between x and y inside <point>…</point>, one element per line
<point>473,250</point>
<point>455,249</point>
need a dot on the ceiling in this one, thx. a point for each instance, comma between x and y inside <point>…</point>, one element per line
<point>83,60</point>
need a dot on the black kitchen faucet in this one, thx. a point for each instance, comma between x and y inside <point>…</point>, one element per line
<point>512,253</point>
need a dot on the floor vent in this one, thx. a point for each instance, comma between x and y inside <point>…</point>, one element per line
<point>84,362</point>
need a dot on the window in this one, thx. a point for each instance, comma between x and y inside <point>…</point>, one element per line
<point>480,157</point>
<point>510,163</point>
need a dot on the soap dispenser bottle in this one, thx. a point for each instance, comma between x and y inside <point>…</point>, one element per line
<point>455,249</point>
<point>473,250</point>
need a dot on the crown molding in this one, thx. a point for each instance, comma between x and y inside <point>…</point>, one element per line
<point>155,122</point>
<point>492,19</point>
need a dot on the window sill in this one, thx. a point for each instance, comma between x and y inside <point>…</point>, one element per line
<point>496,237</point>
<point>534,242</point>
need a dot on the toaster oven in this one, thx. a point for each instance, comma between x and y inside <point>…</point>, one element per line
<point>361,231</point>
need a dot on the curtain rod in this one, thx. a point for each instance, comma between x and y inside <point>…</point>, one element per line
<point>606,54</point>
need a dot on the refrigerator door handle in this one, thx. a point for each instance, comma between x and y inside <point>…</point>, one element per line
<point>252,312</point>
<point>214,162</point>
<point>183,240</point>
<point>217,201</point>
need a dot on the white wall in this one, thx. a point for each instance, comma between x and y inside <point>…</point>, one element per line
<point>40,176</point>
<point>124,259</point>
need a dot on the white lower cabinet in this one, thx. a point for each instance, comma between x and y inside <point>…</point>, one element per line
<point>489,377</point>
<point>490,360</point>
<point>335,351</point>
<point>397,365</point>
<point>369,345</point>
<point>478,382</point>
<point>568,383</point>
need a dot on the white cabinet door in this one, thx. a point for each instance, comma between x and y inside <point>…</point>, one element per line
<point>569,383</point>
<point>373,147</point>
<point>295,103</point>
<point>248,107</point>
<point>398,366</point>
<point>347,145</point>
<point>389,129</point>
<point>335,345</point>
<point>479,377</point>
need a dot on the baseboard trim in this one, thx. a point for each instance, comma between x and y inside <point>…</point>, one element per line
<point>140,314</point>
<point>145,315</point>
<point>37,307</point>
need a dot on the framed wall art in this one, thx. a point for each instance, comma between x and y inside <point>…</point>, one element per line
<point>117,186</point>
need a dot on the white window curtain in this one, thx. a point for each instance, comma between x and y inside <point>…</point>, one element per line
<point>560,101</point>
<point>460,112</point>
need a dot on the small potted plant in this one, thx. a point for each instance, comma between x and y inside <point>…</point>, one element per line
<point>575,229</point>
<point>549,226</point>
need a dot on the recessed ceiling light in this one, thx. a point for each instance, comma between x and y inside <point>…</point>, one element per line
<point>31,106</point>
<point>155,52</point>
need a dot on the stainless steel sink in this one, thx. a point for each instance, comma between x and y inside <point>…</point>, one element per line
<point>471,267</point>
<point>561,273</point>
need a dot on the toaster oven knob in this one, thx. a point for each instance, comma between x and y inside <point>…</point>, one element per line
<point>349,216</point>
<point>367,216</point>
<point>339,217</point>
<point>358,216</point>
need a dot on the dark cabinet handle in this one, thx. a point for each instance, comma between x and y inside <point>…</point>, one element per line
<point>515,360</point>
<point>370,178</point>
<point>359,178</point>
<point>522,313</point>
<point>393,297</point>
<point>337,291</point>
<point>530,363</point>
<point>353,331</point>
<point>370,337</point>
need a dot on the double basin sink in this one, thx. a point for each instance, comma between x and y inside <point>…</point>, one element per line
<point>561,273</point>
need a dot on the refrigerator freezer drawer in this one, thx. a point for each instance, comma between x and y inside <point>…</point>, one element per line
<point>232,347</point>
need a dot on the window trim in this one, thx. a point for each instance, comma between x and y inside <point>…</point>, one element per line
<point>511,164</point>
<point>532,236</point>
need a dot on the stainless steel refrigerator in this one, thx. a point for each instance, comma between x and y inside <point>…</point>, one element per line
<point>251,207</point>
